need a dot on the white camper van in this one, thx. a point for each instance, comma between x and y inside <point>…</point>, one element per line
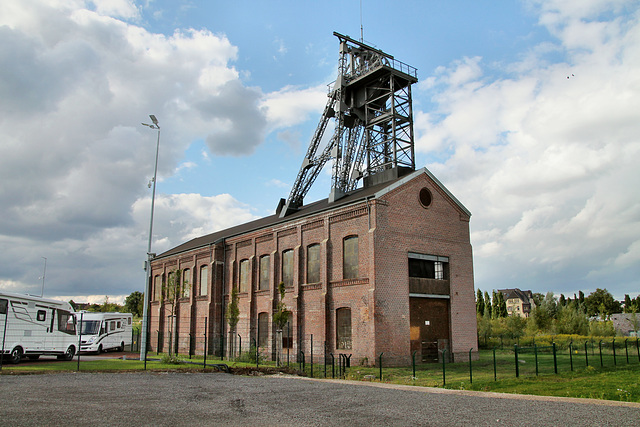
<point>104,331</point>
<point>32,326</point>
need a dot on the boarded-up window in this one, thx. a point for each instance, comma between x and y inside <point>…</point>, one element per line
<point>287,267</point>
<point>313,264</point>
<point>244,275</point>
<point>343,328</point>
<point>263,329</point>
<point>350,257</point>
<point>204,280</point>
<point>186,283</point>
<point>287,332</point>
<point>157,288</point>
<point>264,273</point>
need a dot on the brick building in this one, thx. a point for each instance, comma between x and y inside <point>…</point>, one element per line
<point>387,268</point>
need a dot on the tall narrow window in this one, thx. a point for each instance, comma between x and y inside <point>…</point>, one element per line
<point>157,288</point>
<point>204,280</point>
<point>313,264</point>
<point>343,328</point>
<point>350,257</point>
<point>287,267</point>
<point>287,332</point>
<point>264,272</point>
<point>186,283</point>
<point>263,329</point>
<point>244,275</point>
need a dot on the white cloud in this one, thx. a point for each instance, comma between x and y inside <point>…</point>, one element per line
<point>547,165</point>
<point>290,106</point>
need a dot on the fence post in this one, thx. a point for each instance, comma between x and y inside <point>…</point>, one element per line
<point>613,345</point>
<point>571,355</point>
<point>470,368</point>
<point>638,348</point>
<point>586,353</point>
<point>444,378</point>
<point>333,366</point>
<point>204,363</point>
<point>413,363</point>
<point>535,352</point>
<point>239,345</point>
<point>555,358</point>
<point>380,363</point>
<point>302,368</point>
<point>600,347</point>
<point>515,350</point>
<point>495,372</point>
<point>311,355</point>
<point>626,349</point>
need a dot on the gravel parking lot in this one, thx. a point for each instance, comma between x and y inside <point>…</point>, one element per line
<point>170,399</point>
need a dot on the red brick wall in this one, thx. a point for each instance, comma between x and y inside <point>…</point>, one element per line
<point>387,230</point>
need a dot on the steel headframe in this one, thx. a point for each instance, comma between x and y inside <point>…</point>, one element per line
<point>370,102</point>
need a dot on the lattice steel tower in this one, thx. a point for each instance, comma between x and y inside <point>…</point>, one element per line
<point>370,103</point>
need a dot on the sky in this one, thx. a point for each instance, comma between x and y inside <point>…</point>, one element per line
<point>527,111</point>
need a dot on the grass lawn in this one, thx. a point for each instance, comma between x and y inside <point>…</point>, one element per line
<point>610,379</point>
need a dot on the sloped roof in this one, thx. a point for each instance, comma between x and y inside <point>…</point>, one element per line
<point>516,293</point>
<point>355,196</point>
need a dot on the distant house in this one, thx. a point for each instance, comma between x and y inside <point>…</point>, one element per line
<point>519,303</point>
<point>626,324</point>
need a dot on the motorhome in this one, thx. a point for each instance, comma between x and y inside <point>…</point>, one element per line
<point>33,326</point>
<point>104,331</point>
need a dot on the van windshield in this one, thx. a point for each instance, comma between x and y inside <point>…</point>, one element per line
<point>90,327</point>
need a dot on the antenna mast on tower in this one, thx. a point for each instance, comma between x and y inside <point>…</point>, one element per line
<point>371,105</point>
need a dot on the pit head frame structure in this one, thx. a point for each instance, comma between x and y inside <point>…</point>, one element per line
<point>373,138</point>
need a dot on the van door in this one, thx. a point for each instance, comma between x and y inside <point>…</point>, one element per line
<point>63,333</point>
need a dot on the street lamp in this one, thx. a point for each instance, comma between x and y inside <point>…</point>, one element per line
<point>147,293</point>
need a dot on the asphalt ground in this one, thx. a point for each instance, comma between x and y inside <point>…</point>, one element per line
<point>176,399</point>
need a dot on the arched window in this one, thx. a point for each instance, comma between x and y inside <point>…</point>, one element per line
<point>186,283</point>
<point>287,267</point>
<point>263,329</point>
<point>204,280</point>
<point>350,257</point>
<point>343,328</point>
<point>263,283</point>
<point>244,275</point>
<point>313,263</point>
<point>157,288</point>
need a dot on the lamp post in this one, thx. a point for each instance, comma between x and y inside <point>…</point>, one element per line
<point>147,287</point>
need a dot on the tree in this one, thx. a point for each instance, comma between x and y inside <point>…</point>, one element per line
<point>571,319</point>
<point>581,297</point>
<point>601,302</point>
<point>134,303</point>
<point>280,319</point>
<point>232,315</point>
<point>500,306</point>
<point>109,307</point>
<point>479,303</point>
<point>487,304</point>
<point>172,291</point>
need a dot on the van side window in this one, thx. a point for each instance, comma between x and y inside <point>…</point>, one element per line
<point>112,326</point>
<point>119,324</point>
<point>129,320</point>
<point>42,315</point>
<point>66,322</point>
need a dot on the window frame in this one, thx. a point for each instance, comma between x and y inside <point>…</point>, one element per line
<point>313,275</point>
<point>243,279</point>
<point>204,284</point>
<point>350,258</point>
<point>263,329</point>
<point>344,332</point>
<point>264,272</point>
<point>287,268</point>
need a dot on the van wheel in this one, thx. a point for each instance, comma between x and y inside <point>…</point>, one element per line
<point>16,355</point>
<point>121,348</point>
<point>68,355</point>
<point>99,349</point>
